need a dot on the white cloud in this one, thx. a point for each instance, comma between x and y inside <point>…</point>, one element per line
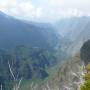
<point>45,9</point>
<point>21,9</point>
<point>66,8</point>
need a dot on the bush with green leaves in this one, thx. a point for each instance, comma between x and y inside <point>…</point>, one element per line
<point>86,77</point>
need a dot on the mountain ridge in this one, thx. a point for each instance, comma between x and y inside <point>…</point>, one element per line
<point>14,31</point>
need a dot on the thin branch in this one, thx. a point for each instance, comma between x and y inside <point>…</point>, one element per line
<point>18,86</point>
<point>1,87</point>
<point>11,71</point>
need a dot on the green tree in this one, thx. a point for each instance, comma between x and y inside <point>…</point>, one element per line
<point>86,77</point>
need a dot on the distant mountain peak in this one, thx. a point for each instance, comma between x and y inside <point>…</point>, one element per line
<point>17,32</point>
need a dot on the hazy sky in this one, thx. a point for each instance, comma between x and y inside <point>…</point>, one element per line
<point>45,9</point>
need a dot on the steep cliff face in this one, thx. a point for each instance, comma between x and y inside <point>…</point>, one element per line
<point>68,76</point>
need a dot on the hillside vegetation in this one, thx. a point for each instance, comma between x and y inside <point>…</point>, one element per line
<point>86,77</point>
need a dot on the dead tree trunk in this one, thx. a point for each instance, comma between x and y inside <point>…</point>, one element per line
<point>17,82</point>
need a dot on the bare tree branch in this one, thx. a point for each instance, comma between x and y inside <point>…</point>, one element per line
<point>1,87</point>
<point>18,85</point>
<point>11,71</point>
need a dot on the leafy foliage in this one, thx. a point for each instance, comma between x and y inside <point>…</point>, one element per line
<point>26,62</point>
<point>86,77</point>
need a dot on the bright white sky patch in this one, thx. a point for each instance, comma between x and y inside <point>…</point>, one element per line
<point>45,9</point>
<point>21,9</point>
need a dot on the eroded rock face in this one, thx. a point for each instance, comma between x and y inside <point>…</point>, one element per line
<point>68,76</point>
<point>85,52</point>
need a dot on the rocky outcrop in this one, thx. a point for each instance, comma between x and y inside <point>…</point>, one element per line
<point>85,52</point>
<point>68,76</point>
